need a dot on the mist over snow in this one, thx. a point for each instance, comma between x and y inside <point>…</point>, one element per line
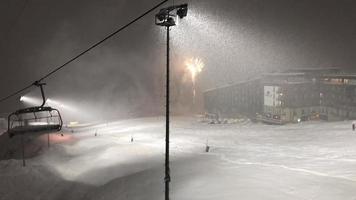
<point>124,77</point>
<point>246,160</point>
<point>112,99</point>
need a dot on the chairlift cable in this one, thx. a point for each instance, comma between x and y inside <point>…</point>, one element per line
<point>84,52</point>
<point>101,41</point>
<point>16,93</point>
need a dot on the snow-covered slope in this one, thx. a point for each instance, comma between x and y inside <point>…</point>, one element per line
<point>313,160</point>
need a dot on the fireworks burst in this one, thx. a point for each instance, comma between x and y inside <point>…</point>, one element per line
<point>194,66</point>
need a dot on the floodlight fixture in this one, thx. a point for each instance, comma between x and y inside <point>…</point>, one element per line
<point>182,11</point>
<point>166,16</point>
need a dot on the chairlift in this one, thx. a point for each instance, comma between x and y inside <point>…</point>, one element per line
<point>38,119</point>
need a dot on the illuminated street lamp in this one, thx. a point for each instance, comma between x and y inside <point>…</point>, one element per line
<point>167,18</point>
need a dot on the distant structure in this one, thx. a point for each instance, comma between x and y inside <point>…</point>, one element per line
<point>290,96</point>
<point>243,98</point>
<point>3,125</point>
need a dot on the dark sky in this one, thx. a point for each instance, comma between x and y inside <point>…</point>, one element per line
<point>125,76</point>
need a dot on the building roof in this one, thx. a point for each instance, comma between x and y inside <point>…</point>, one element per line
<point>329,73</point>
<point>344,76</point>
<point>313,69</point>
<point>284,74</point>
<point>233,84</point>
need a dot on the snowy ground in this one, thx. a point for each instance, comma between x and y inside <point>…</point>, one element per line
<point>314,160</point>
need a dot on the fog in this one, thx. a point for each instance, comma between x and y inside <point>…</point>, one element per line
<point>278,136</point>
<point>124,77</point>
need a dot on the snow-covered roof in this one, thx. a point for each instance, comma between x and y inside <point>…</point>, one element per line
<point>348,76</point>
<point>313,69</point>
<point>284,74</point>
<point>232,84</point>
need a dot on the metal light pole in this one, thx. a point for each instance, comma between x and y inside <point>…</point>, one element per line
<point>167,19</point>
<point>167,177</point>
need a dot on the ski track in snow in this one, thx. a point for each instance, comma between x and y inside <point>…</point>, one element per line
<point>226,159</point>
<point>223,157</point>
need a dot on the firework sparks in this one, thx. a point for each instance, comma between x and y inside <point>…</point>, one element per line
<point>194,66</point>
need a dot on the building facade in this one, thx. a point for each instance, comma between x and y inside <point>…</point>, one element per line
<point>290,96</point>
<point>338,96</point>
<point>242,98</point>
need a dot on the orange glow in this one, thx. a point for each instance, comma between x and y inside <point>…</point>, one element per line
<point>56,138</point>
<point>194,66</point>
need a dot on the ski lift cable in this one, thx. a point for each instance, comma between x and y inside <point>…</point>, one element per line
<point>83,52</point>
<point>16,93</point>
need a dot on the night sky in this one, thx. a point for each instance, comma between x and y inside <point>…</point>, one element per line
<point>124,77</point>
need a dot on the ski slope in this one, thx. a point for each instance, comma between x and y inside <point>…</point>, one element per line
<point>313,160</point>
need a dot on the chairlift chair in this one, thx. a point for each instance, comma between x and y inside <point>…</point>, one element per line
<point>38,119</point>
<point>34,120</point>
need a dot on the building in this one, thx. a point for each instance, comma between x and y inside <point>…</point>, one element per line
<point>338,96</point>
<point>289,96</point>
<point>234,100</point>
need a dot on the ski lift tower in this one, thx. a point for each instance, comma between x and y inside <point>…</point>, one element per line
<point>167,17</point>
